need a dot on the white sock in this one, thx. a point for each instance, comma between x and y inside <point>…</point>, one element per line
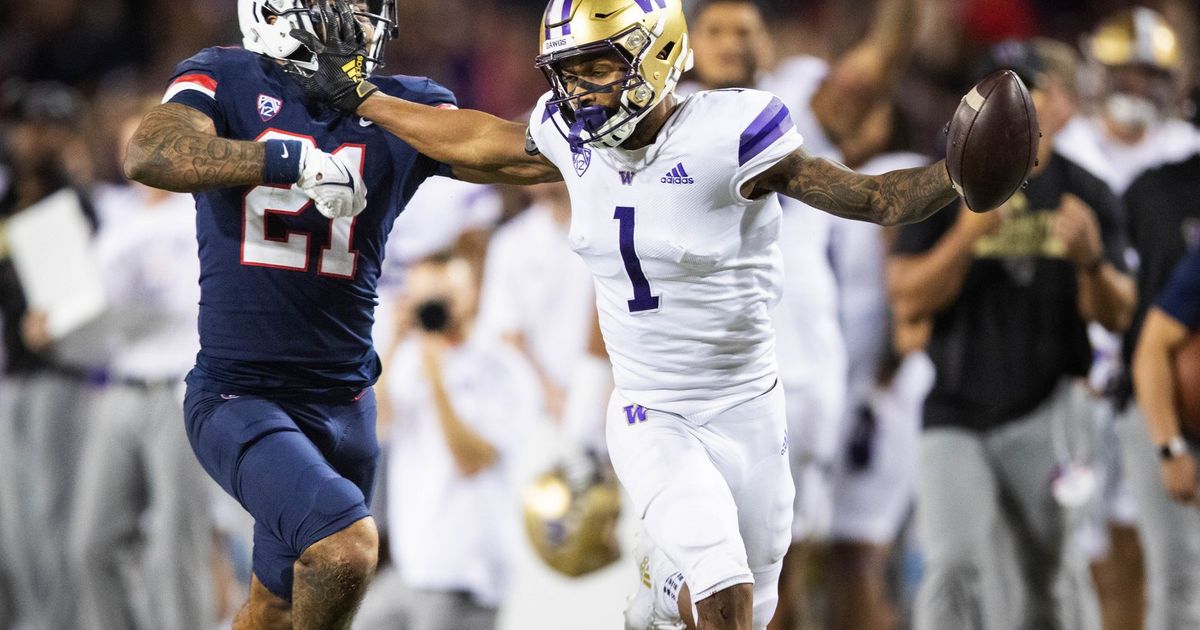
<point>667,595</point>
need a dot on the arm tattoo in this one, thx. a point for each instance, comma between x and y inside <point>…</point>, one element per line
<point>894,198</point>
<point>176,148</point>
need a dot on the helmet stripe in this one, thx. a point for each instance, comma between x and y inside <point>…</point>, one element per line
<point>566,13</point>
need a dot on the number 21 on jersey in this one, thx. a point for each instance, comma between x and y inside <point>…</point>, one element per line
<point>337,259</point>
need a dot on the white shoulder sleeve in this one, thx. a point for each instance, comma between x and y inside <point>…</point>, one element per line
<point>766,134</point>
<point>544,133</point>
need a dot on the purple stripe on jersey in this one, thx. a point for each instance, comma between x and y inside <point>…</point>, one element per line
<point>566,13</point>
<point>771,124</point>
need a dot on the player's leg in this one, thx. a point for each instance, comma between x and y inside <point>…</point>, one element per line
<point>957,514</point>
<point>331,577</point>
<point>749,446</point>
<point>874,484</point>
<point>179,524</point>
<point>1110,536</point>
<point>814,419</point>
<point>16,553</point>
<point>264,610</point>
<point>1169,532</point>
<point>308,516</point>
<point>1030,454</point>
<point>56,424</point>
<point>105,533</point>
<point>688,513</point>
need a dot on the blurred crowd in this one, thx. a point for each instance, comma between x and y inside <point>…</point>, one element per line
<point>967,445</point>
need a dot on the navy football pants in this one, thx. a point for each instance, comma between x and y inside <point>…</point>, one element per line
<point>303,470</point>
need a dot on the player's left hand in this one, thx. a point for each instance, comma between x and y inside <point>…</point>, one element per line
<point>334,185</point>
<point>340,78</point>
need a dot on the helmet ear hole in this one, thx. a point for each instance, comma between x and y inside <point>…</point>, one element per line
<point>666,51</point>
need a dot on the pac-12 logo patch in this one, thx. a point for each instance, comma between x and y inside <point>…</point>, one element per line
<point>583,159</point>
<point>268,107</point>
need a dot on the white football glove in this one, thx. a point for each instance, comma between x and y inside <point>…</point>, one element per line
<point>332,183</point>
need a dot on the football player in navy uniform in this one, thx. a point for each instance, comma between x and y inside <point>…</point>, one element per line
<point>294,201</point>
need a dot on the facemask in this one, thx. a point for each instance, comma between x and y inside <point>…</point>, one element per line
<point>1132,111</point>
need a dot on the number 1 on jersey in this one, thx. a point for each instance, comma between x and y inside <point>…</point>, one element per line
<point>642,300</point>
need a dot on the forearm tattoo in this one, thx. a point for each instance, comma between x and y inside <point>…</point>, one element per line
<point>175,149</point>
<point>894,198</point>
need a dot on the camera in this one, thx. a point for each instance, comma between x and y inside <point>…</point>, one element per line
<point>433,315</point>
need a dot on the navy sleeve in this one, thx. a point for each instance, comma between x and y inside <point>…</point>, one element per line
<point>416,89</point>
<point>426,92</point>
<point>1181,297</point>
<point>196,83</point>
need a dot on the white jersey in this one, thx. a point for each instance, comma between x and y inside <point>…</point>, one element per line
<point>812,351</point>
<point>438,214</point>
<point>858,260</point>
<point>686,269</point>
<point>533,284</point>
<point>1084,142</point>
<point>152,272</point>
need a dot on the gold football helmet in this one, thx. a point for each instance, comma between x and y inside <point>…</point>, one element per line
<point>651,35</point>
<point>571,514</point>
<point>1136,36</point>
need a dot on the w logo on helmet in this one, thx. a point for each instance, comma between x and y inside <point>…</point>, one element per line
<point>651,5</point>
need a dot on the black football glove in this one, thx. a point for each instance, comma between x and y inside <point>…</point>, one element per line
<point>340,78</point>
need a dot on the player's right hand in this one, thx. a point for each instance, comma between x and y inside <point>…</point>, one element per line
<point>334,185</point>
<point>340,78</point>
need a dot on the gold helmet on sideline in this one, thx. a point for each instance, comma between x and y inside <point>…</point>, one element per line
<point>1136,36</point>
<point>651,35</point>
<point>571,514</point>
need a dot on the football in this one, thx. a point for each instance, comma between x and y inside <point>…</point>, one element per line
<point>992,141</point>
<point>1187,386</point>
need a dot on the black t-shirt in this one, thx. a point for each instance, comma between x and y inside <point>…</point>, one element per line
<point>1163,210</point>
<point>1015,330</point>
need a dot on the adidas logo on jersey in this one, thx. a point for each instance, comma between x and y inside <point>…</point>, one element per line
<point>677,176</point>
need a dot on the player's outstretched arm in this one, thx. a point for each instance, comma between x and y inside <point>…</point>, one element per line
<point>480,147</point>
<point>894,198</point>
<point>176,148</point>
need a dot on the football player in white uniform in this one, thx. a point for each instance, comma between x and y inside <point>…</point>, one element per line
<point>675,211</point>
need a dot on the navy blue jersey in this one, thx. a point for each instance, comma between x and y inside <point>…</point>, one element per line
<point>1181,297</point>
<point>287,295</point>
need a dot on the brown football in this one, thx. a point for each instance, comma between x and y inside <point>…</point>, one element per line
<point>993,141</point>
<point>1187,386</point>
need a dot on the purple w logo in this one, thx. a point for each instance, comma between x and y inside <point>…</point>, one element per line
<point>635,414</point>
<point>626,178</point>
